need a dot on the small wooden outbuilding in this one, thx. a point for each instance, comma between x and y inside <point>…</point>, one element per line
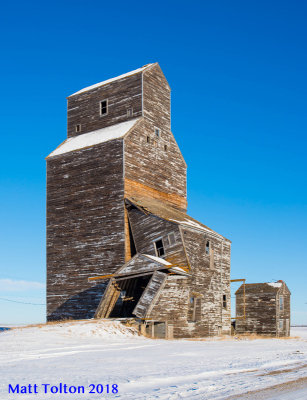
<point>263,308</point>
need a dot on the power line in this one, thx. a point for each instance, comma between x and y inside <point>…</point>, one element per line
<point>22,302</point>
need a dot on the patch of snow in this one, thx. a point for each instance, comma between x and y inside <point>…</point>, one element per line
<point>275,284</point>
<point>96,85</point>
<point>95,137</point>
<point>179,270</point>
<point>158,259</point>
<point>193,224</point>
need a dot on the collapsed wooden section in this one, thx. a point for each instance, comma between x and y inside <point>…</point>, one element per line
<point>125,280</point>
<point>108,300</point>
<point>150,294</point>
<point>183,291</point>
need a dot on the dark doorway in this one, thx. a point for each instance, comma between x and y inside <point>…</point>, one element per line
<point>131,291</point>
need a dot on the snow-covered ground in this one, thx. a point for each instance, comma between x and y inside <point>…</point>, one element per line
<point>91,353</point>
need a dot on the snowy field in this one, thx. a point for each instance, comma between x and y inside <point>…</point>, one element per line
<point>106,353</point>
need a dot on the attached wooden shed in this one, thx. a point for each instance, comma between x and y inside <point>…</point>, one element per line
<point>263,308</point>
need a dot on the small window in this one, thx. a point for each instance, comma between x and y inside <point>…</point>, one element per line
<point>104,107</point>
<point>159,248</point>
<point>129,112</point>
<point>148,139</point>
<point>157,132</point>
<point>171,238</point>
<point>281,303</point>
<point>224,301</point>
<point>194,311</point>
<point>281,324</point>
<point>165,147</point>
<point>207,247</point>
<point>78,128</point>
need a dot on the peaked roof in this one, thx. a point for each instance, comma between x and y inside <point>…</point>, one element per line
<point>169,213</point>
<point>148,264</point>
<point>96,85</point>
<point>95,137</point>
<point>266,287</point>
<point>142,264</point>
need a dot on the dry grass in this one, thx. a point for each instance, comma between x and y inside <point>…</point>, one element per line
<point>61,322</point>
<point>254,336</point>
<point>283,371</point>
<point>247,336</point>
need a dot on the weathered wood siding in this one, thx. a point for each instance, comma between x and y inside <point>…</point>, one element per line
<point>148,228</point>
<point>155,163</point>
<point>262,313</point>
<point>133,188</point>
<point>260,309</point>
<point>285,313</point>
<point>172,305</point>
<point>122,94</point>
<point>85,227</point>
<point>149,164</point>
<point>209,282</point>
<point>157,99</point>
<point>206,286</point>
<point>150,294</point>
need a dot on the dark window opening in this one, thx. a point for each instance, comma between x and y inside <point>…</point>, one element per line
<point>159,248</point>
<point>78,128</point>
<point>148,139</point>
<point>104,107</point>
<point>157,132</point>
<point>224,301</point>
<point>208,247</point>
<point>165,147</point>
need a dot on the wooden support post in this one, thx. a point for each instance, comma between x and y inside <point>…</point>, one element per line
<point>143,329</point>
<point>169,331</point>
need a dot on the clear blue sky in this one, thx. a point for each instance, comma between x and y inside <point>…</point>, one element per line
<point>237,70</point>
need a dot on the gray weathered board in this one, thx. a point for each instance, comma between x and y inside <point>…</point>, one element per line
<point>150,294</point>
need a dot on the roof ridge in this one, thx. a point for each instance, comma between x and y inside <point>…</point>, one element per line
<point>105,82</point>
